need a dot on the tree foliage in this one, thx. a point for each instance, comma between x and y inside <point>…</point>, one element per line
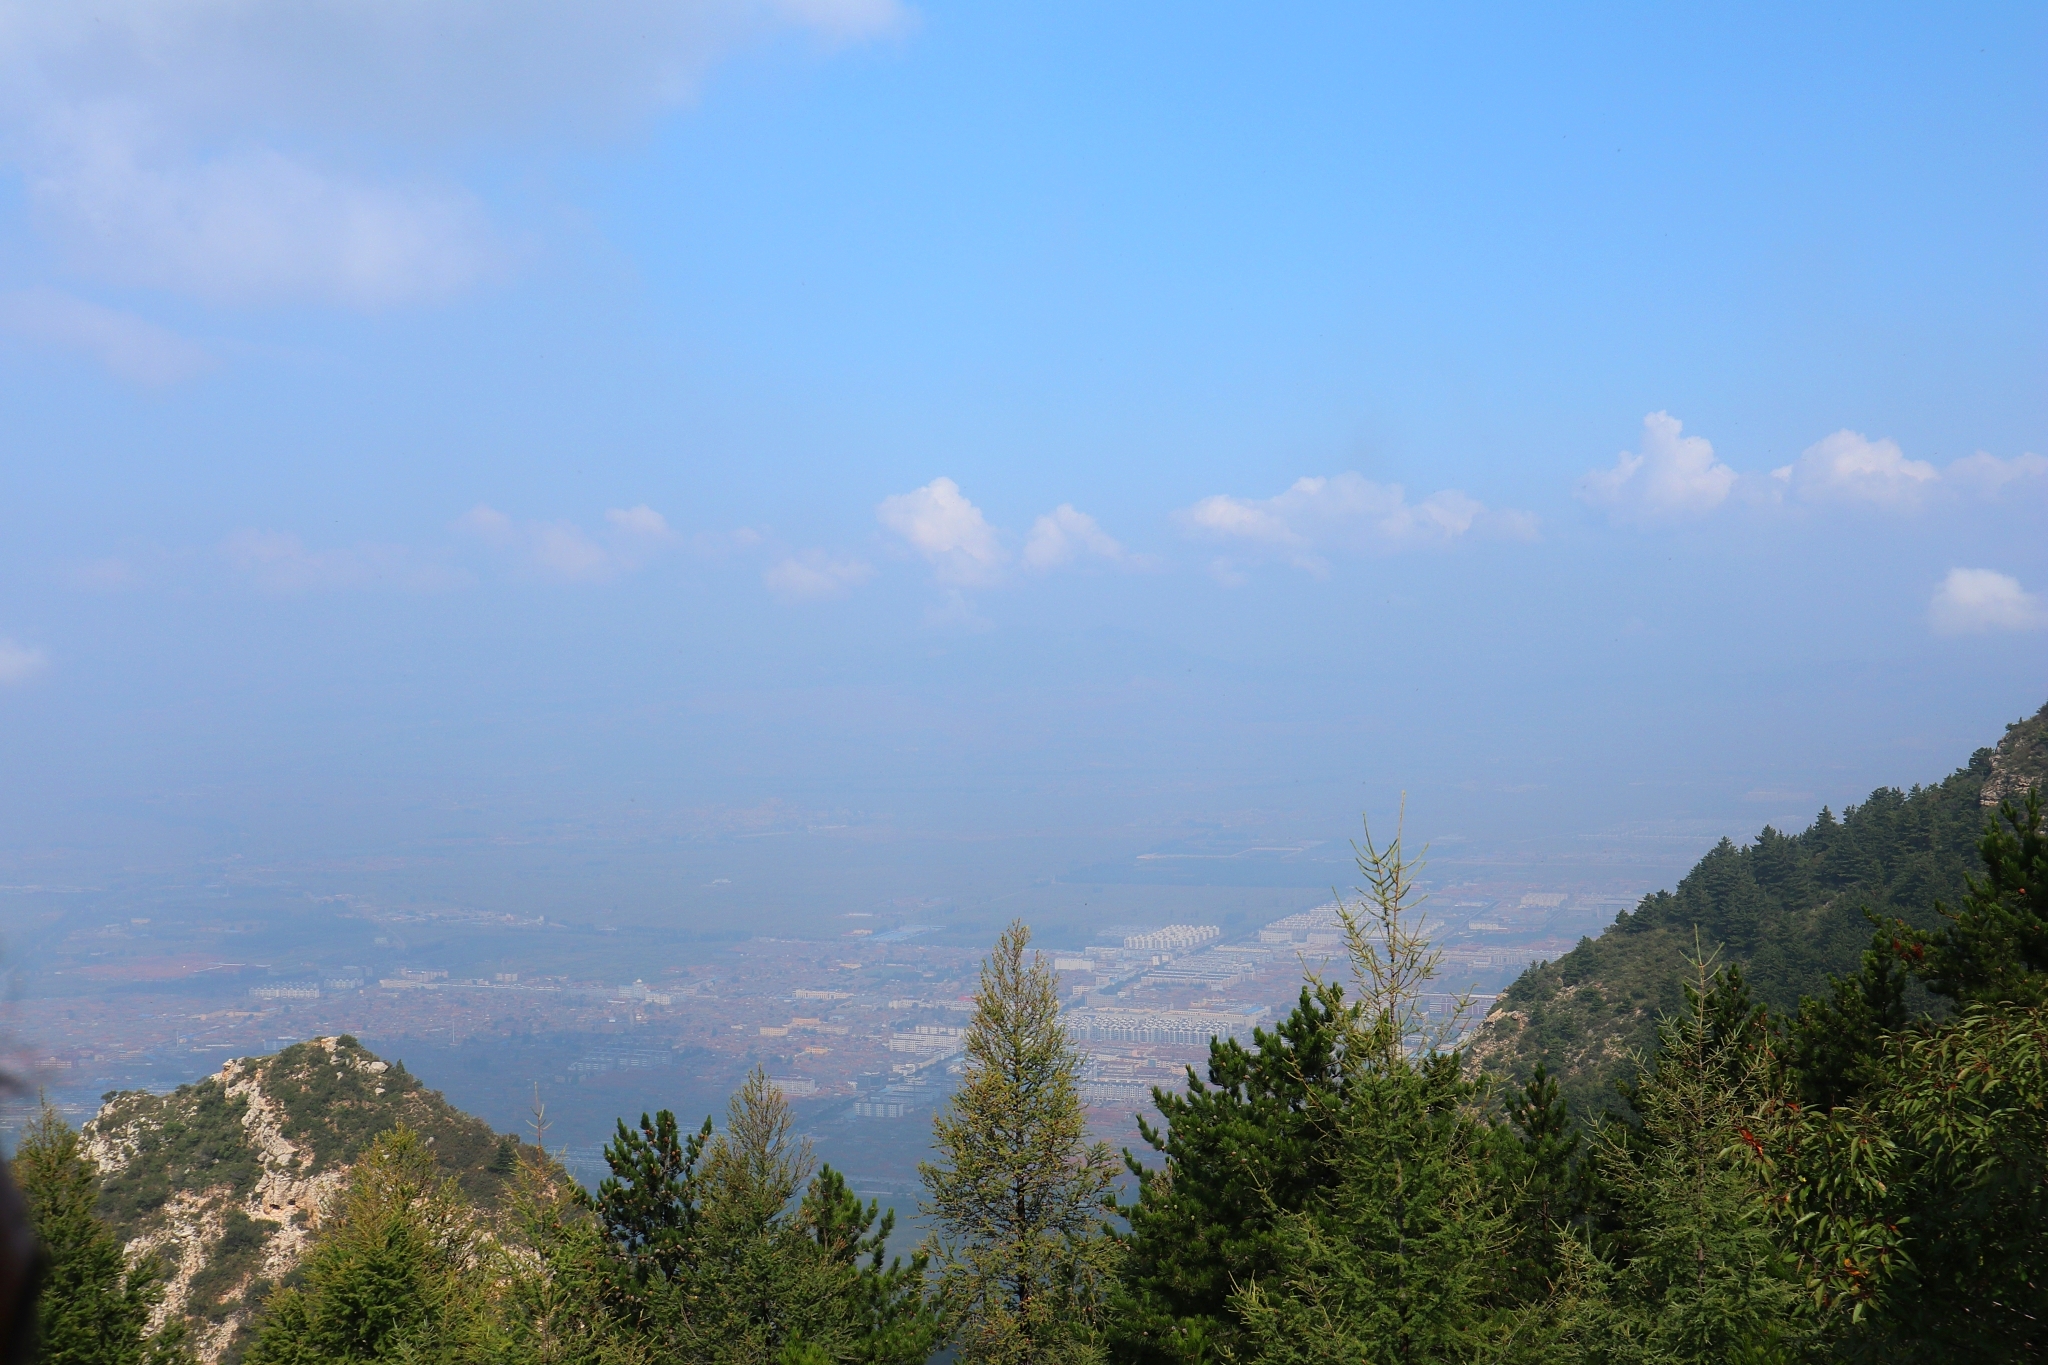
<point>700,1248</point>
<point>402,1272</point>
<point>1339,1194</point>
<point>1792,909</point>
<point>1018,1195</point>
<point>94,1307</point>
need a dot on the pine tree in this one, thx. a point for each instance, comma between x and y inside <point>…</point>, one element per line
<point>1994,950</point>
<point>1402,1257</point>
<point>1544,1180</point>
<point>891,1320</point>
<point>94,1308</point>
<point>403,1272</point>
<point>1019,1196</point>
<point>701,1250</point>
<point>1258,1140</point>
<point>649,1207</point>
<point>1699,1272</point>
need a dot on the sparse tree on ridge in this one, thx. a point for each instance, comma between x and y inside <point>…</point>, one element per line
<point>1018,1196</point>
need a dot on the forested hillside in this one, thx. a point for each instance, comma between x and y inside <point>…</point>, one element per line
<point>225,1180</point>
<point>1788,908</point>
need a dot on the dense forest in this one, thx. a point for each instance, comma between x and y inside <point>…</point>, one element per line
<point>1792,910</point>
<point>1855,1173</point>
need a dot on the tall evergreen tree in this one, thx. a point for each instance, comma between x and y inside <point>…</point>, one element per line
<point>1545,1183</point>
<point>1699,1273</point>
<point>701,1250</point>
<point>1401,1257</point>
<point>1258,1140</point>
<point>777,1279</point>
<point>1991,949</point>
<point>1018,1197</point>
<point>650,1205</point>
<point>1994,948</point>
<point>402,1272</point>
<point>94,1308</point>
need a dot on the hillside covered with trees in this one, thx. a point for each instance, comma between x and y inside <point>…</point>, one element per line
<point>1791,910</point>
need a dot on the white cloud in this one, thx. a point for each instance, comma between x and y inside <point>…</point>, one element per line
<point>1674,475</point>
<point>1677,474</point>
<point>1348,512</point>
<point>1987,475</point>
<point>135,350</point>
<point>1850,467</point>
<point>19,662</point>
<point>1064,534</point>
<point>814,576</point>
<point>948,530</point>
<point>641,520</point>
<point>1971,601</point>
<point>256,226</point>
<point>563,550</point>
<point>720,544</point>
<point>229,148</point>
<point>280,563</point>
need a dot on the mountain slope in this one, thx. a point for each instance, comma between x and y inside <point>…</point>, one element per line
<point>227,1178</point>
<point>1789,908</point>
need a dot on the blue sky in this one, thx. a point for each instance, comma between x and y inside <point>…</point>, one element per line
<point>1092,423</point>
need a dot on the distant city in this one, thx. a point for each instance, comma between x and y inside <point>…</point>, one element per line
<point>860,1027</point>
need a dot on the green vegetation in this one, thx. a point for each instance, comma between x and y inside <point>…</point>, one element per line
<point>1018,1196</point>
<point>219,1287</point>
<point>191,1140</point>
<point>1793,911</point>
<point>403,1272</point>
<point>1859,1174</point>
<point>337,1100</point>
<point>95,1307</point>
<point>1330,1195</point>
<point>184,1168</point>
<point>701,1249</point>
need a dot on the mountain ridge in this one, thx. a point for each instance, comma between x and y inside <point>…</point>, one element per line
<point>227,1179</point>
<point>1789,908</point>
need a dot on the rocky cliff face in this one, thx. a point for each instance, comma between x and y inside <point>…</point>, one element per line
<point>2019,763</point>
<point>227,1179</point>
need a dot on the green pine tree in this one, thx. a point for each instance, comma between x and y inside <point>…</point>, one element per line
<point>1698,1272</point>
<point>778,1279</point>
<point>94,1308</point>
<point>1019,1196</point>
<point>700,1249</point>
<point>1994,950</point>
<point>892,1320</point>
<point>1258,1140</point>
<point>1545,1182</point>
<point>1406,1255</point>
<point>650,1206</point>
<point>403,1272</point>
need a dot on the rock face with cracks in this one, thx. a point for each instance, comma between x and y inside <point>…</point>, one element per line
<point>226,1180</point>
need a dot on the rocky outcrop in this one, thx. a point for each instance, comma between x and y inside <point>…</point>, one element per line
<point>2019,763</point>
<point>226,1181</point>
